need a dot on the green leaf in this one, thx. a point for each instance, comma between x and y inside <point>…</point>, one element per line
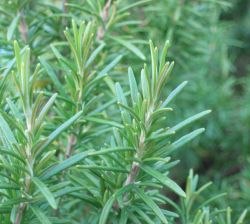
<point>121,99</point>
<point>212,199</point>
<point>164,180</point>
<point>52,74</point>
<point>103,121</point>
<point>145,85</point>
<point>131,47</point>
<point>43,219</point>
<point>108,205</point>
<point>134,219</point>
<point>158,114</point>
<point>9,186</point>
<point>77,158</point>
<point>64,165</point>
<point>154,65</point>
<point>18,55</point>
<point>184,139</point>
<point>59,130</point>
<point>24,80</point>
<point>242,217</point>
<point>120,95</point>
<point>17,200</point>
<point>12,27</point>
<point>131,112</point>
<point>14,109</point>
<point>190,120</point>
<point>164,75</point>
<point>65,63</point>
<point>150,203</point>
<point>172,95</point>
<point>94,54</point>
<point>106,209</point>
<point>5,209</point>
<point>124,217</point>
<point>137,3</point>
<point>6,133</point>
<point>229,219</point>
<point>133,86</point>
<point>198,217</point>
<point>110,66</point>
<point>13,154</point>
<point>84,9</point>
<point>45,191</point>
<point>45,110</point>
<point>164,54</point>
<point>106,168</point>
<point>143,215</point>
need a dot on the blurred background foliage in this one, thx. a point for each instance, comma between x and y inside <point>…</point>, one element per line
<point>210,47</point>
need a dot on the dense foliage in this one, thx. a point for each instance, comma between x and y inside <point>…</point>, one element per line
<point>97,124</point>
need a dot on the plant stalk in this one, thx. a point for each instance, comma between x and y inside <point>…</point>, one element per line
<point>20,212</point>
<point>104,16</point>
<point>70,146</point>
<point>135,168</point>
<point>23,28</point>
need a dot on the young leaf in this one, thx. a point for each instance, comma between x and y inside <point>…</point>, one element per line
<point>120,95</point>
<point>145,85</point>
<point>133,86</point>
<point>131,47</point>
<point>144,216</point>
<point>129,6</point>
<point>110,66</point>
<point>77,158</point>
<point>108,205</point>
<point>242,217</point>
<point>45,110</point>
<point>163,55</point>
<point>6,132</point>
<point>121,99</point>
<point>190,120</point>
<point>13,154</point>
<point>52,74</point>
<point>164,180</point>
<point>150,203</point>
<point>59,130</point>
<point>106,209</point>
<point>94,54</point>
<point>9,186</point>
<point>64,165</point>
<point>174,93</point>
<point>103,121</point>
<point>184,139</point>
<point>12,27</point>
<point>42,218</point>
<point>45,191</point>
